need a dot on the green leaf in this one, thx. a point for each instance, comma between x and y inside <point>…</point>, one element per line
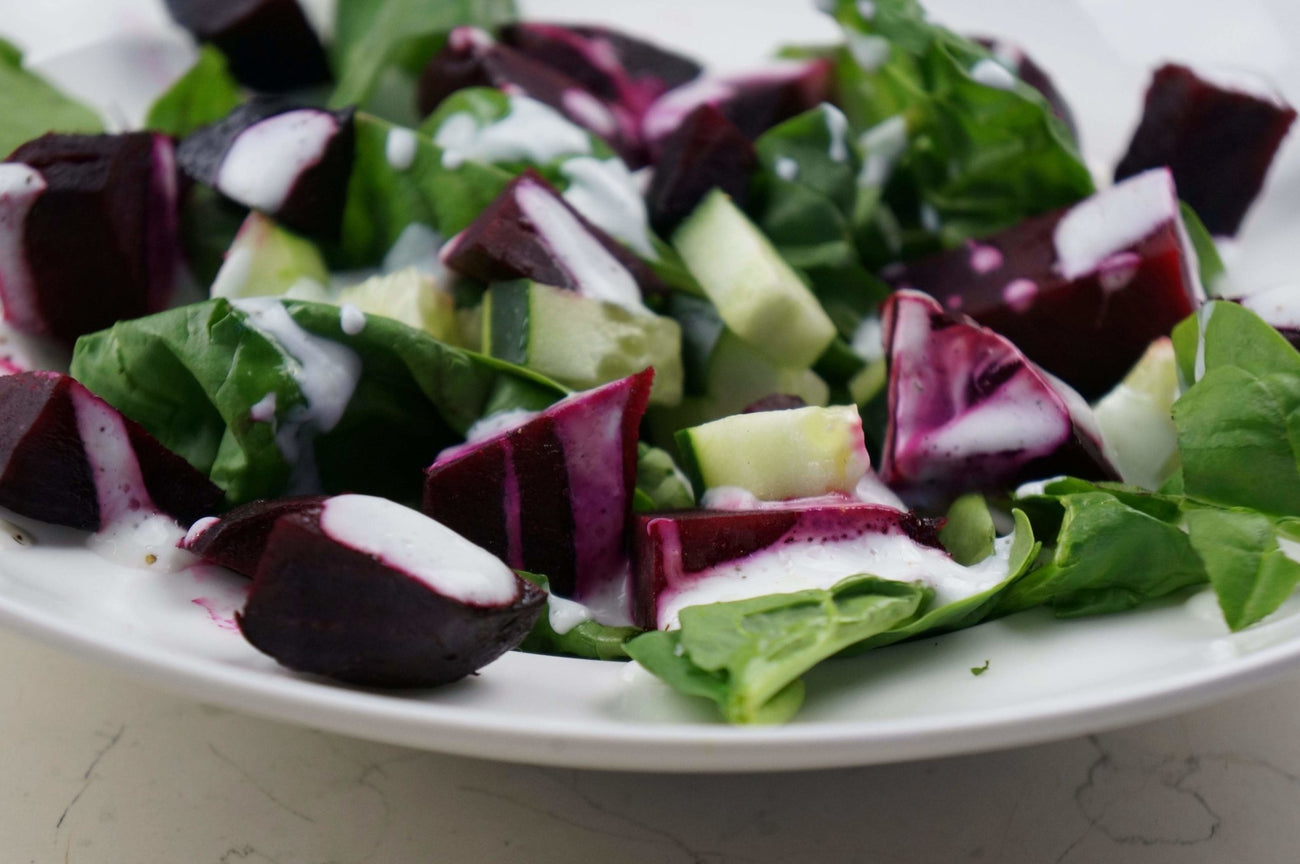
<point>660,484</point>
<point>1251,575</point>
<point>385,43</point>
<point>206,93</point>
<point>968,531</point>
<point>30,106</point>
<point>1108,557</point>
<point>748,655</point>
<point>192,376</point>
<point>588,639</point>
<point>1212,269</point>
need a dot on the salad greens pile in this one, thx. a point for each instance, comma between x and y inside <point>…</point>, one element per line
<point>927,147</point>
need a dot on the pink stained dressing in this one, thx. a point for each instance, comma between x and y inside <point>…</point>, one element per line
<point>224,619</point>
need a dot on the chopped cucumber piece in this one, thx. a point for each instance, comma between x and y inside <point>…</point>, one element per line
<point>266,260</point>
<point>408,296</point>
<point>581,341</point>
<point>753,452</point>
<point>761,299</point>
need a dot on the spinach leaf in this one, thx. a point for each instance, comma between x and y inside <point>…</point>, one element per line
<point>588,639</point>
<point>660,484</point>
<point>30,106</point>
<point>1251,574</point>
<point>192,376</point>
<point>748,655</point>
<point>968,531</point>
<point>206,93</point>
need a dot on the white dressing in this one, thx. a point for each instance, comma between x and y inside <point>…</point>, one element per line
<point>530,131</point>
<point>400,147</point>
<point>408,541</point>
<point>20,186</point>
<point>266,159</point>
<point>605,192</point>
<point>1114,220</point>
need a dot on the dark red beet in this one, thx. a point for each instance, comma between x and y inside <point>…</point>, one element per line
<point>47,471</point>
<point>270,44</point>
<point>506,242</point>
<point>551,496</point>
<point>614,66</point>
<point>968,411</point>
<point>322,606</point>
<point>1024,68</point>
<point>111,200</point>
<point>262,132</point>
<point>472,58</point>
<point>238,538</point>
<point>674,549</point>
<point>1217,140</point>
<point>1085,321</point>
<point>754,101</point>
<point>705,152</point>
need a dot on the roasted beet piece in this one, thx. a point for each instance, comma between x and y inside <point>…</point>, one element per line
<point>531,232</point>
<point>238,538</point>
<point>68,457</point>
<point>269,44</point>
<point>288,162</point>
<point>111,199</point>
<point>705,152</point>
<point>472,58</point>
<point>1217,137</point>
<point>367,591</point>
<point>968,411</point>
<point>1082,290</point>
<point>553,495</point>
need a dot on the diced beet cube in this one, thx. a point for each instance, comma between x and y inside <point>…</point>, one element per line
<point>754,101</point>
<point>472,58</point>
<point>705,152</point>
<point>269,44</point>
<point>554,494</point>
<point>292,164</point>
<point>237,539</point>
<point>531,232</point>
<point>68,457</point>
<point>611,65</point>
<point>364,590</point>
<point>968,411</point>
<point>1014,58</point>
<point>692,557</point>
<point>1081,290</point>
<point>1217,137</point>
<point>88,232</point>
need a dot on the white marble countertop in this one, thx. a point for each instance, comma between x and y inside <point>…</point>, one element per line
<point>99,768</point>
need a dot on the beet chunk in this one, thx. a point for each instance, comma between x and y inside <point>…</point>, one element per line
<point>291,163</point>
<point>706,152</point>
<point>269,44</point>
<point>367,591</point>
<point>111,200</point>
<point>238,538</point>
<point>1218,139</point>
<point>1081,290</point>
<point>70,458</point>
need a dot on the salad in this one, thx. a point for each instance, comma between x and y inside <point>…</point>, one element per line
<point>458,334</point>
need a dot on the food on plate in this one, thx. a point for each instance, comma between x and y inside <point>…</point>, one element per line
<point>631,335</point>
<point>269,44</point>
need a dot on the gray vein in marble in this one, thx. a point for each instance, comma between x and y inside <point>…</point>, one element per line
<point>252,781</point>
<point>87,776</point>
<point>244,853</point>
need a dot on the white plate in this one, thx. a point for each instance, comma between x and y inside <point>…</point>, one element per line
<point>1045,679</point>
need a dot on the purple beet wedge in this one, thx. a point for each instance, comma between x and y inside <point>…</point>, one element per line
<point>705,152</point>
<point>688,558</point>
<point>613,66</point>
<point>70,458</point>
<point>237,539</point>
<point>292,164</point>
<point>1082,290</point>
<point>1013,58</point>
<point>531,232</point>
<point>366,591</point>
<point>472,58</point>
<point>754,101</point>
<point>967,411</point>
<point>269,44</point>
<point>1218,137</point>
<point>112,198</point>
<point>553,495</point>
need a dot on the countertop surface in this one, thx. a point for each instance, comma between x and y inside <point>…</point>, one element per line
<point>99,768</point>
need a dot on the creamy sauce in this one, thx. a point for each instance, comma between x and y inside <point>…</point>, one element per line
<point>530,131</point>
<point>786,168</point>
<point>351,319</point>
<point>882,146</point>
<point>266,159</point>
<point>417,246</point>
<point>1114,220</point>
<point>870,51</point>
<point>597,273</point>
<point>837,127</point>
<point>20,186</point>
<point>1279,306</point>
<point>993,74</point>
<point>408,541</point>
<point>563,614</point>
<point>400,148</point>
<point>605,192</point>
